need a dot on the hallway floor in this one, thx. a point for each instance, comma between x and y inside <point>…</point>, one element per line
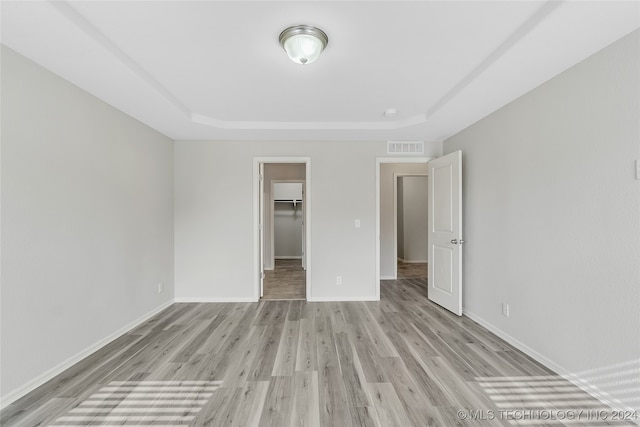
<point>286,281</point>
<point>410,270</point>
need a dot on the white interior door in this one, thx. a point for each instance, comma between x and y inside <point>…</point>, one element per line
<point>261,228</point>
<point>445,232</point>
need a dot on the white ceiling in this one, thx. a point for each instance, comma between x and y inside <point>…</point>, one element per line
<point>215,69</point>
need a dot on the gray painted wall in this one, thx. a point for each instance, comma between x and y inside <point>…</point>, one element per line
<point>87,221</point>
<point>400,218</point>
<point>287,225</point>
<point>415,226</point>
<point>552,219</point>
<point>214,243</point>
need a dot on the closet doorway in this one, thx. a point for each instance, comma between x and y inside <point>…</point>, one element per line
<point>287,278</point>
<point>284,231</point>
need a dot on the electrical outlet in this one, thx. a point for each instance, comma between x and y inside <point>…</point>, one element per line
<point>505,309</point>
<point>160,287</point>
<point>338,280</point>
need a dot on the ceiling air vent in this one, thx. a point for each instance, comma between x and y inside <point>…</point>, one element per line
<point>405,147</point>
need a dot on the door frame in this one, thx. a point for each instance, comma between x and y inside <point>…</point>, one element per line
<point>379,161</point>
<point>273,209</point>
<point>257,250</point>
<point>397,175</point>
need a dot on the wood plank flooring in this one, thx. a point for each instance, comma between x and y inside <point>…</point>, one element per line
<point>402,361</point>
<point>286,281</point>
<point>412,270</point>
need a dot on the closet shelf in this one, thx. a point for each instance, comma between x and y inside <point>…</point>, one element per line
<point>294,202</point>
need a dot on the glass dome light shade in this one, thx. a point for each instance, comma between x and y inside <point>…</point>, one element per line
<point>303,44</point>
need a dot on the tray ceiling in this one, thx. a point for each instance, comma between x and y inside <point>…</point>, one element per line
<point>215,69</point>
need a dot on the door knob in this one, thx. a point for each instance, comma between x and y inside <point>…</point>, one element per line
<point>457,242</point>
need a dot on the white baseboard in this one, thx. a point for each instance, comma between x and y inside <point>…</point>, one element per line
<point>207,299</point>
<point>387,278</point>
<point>268,269</point>
<point>288,257</point>
<point>344,299</point>
<point>412,261</point>
<point>16,394</point>
<point>583,384</point>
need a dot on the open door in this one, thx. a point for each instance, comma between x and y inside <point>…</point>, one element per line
<point>445,232</point>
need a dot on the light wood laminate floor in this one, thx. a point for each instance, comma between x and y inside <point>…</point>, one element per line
<point>286,281</point>
<point>412,270</point>
<point>400,361</point>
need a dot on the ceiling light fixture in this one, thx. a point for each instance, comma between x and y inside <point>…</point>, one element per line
<point>303,43</point>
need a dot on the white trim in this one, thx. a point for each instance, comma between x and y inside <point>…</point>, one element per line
<point>338,299</point>
<point>288,257</point>
<point>387,278</point>
<point>256,220</point>
<point>395,224</point>
<point>16,394</point>
<point>216,299</point>
<point>261,225</point>
<point>418,261</point>
<point>582,383</point>
<point>379,161</point>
